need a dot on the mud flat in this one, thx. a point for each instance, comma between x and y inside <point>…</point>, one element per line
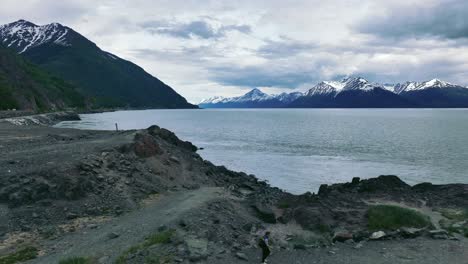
<point>144,196</point>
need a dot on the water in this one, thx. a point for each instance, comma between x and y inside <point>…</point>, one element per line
<point>299,149</point>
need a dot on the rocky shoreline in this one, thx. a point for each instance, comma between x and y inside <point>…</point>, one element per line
<point>145,196</point>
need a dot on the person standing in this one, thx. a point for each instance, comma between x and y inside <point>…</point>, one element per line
<point>264,244</point>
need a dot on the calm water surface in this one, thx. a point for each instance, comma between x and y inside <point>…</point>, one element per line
<point>299,149</point>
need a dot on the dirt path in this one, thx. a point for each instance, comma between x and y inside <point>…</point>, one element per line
<point>131,228</point>
<point>410,251</point>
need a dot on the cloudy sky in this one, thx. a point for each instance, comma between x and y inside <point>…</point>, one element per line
<point>205,48</point>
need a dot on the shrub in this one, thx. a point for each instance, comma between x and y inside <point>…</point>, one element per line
<point>390,217</point>
<point>19,256</point>
<point>158,238</point>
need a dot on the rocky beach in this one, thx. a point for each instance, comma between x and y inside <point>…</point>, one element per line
<point>145,196</point>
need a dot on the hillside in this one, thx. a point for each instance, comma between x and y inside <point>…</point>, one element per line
<point>25,86</point>
<point>108,79</point>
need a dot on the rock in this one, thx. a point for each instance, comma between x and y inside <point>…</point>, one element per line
<point>355,180</point>
<point>265,213</point>
<point>358,245</point>
<point>174,159</point>
<point>197,248</point>
<point>113,235</point>
<point>408,232</point>
<point>361,235</point>
<point>242,256</point>
<point>323,190</point>
<point>377,235</point>
<point>438,234</point>
<point>342,236</point>
<point>71,216</point>
<point>146,146</point>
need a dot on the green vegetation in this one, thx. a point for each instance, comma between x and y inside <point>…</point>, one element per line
<point>390,217</point>
<point>456,221</point>
<point>23,85</point>
<point>454,214</point>
<point>77,260</point>
<point>283,205</point>
<point>19,256</point>
<point>158,238</point>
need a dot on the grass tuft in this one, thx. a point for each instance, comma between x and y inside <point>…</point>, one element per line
<point>19,256</point>
<point>158,238</point>
<point>390,217</point>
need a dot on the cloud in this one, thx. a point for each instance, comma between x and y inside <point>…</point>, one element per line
<point>446,20</point>
<point>199,28</point>
<point>274,75</point>
<point>225,47</point>
<point>284,47</point>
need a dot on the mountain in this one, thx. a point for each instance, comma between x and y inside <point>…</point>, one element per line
<point>434,93</point>
<point>354,92</point>
<point>350,93</point>
<point>253,99</point>
<point>108,79</point>
<point>25,86</point>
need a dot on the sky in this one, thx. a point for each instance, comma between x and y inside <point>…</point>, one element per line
<point>208,48</point>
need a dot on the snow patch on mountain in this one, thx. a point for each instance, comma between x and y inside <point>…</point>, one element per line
<point>255,95</point>
<point>23,35</point>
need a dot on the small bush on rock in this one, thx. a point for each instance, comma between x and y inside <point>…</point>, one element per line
<point>390,217</point>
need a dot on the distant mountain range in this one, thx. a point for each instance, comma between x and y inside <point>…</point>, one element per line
<point>103,78</point>
<point>354,92</point>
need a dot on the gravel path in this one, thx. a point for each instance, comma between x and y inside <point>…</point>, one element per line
<point>131,228</point>
<point>409,251</point>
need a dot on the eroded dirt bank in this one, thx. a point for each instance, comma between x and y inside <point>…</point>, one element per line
<point>147,197</point>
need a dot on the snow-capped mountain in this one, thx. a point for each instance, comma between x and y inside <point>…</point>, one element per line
<point>101,76</point>
<point>354,92</point>
<point>253,95</point>
<point>23,35</point>
<point>347,84</point>
<point>254,98</point>
<point>416,86</point>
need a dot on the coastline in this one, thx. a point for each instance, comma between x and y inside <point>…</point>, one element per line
<point>66,188</point>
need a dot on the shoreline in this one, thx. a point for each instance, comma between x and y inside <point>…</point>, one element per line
<point>67,189</point>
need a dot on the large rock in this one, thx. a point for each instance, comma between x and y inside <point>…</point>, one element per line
<point>438,234</point>
<point>409,232</point>
<point>377,235</point>
<point>342,236</point>
<point>265,213</point>
<point>146,146</point>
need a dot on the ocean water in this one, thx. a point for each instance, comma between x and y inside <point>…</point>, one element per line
<point>299,149</point>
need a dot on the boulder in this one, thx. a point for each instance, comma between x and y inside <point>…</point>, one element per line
<point>264,213</point>
<point>409,232</point>
<point>438,234</point>
<point>145,146</point>
<point>342,236</point>
<point>377,235</point>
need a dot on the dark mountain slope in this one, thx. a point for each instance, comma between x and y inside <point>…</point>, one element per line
<point>110,80</point>
<point>27,87</point>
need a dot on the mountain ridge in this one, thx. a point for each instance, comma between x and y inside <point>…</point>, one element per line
<point>107,79</point>
<point>358,92</point>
